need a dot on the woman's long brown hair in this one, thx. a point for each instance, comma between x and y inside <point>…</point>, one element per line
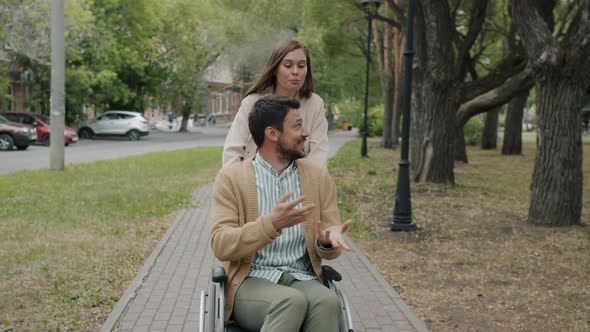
<point>268,77</point>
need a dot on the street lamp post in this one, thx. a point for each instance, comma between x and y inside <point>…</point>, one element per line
<point>402,213</point>
<point>367,4</point>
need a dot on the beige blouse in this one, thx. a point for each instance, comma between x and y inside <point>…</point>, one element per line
<point>239,144</point>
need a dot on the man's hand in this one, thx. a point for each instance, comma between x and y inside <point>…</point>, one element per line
<point>333,236</point>
<point>286,215</point>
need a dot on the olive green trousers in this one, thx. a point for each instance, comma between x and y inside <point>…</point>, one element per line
<point>289,305</point>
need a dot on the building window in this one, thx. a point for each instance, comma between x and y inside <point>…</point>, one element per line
<point>220,104</point>
<point>10,102</point>
<point>226,109</point>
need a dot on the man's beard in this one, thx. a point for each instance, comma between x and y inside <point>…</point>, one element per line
<point>288,154</point>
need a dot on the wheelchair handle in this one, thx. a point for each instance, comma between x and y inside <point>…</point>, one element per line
<point>330,274</point>
<point>219,275</point>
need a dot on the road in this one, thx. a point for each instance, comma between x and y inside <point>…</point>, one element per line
<point>37,156</point>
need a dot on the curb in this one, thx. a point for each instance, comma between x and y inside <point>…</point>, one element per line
<point>131,291</point>
<point>417,323</point>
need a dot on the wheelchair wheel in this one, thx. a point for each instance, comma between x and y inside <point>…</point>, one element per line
<point>211,307</point>
<point>345,316</point>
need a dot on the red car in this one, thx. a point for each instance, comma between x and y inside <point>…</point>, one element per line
<point>41,123</point>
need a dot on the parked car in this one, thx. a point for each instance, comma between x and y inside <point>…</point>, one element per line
<point>116,123</point>
<point>41,123</point>
<point>15,134</point>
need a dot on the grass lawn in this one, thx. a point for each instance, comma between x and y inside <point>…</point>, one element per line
<point>70,242</point>
<point>475,264</point>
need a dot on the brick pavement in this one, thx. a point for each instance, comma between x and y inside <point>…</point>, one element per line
<point>165,294</point>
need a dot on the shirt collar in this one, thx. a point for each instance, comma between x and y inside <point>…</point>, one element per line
<point>258,160</point>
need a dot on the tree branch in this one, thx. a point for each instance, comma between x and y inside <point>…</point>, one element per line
<point>494,98</point>
<point>580,36</point>
<point>478,14</point>
<point>539,41</point>
<point>506,69</point>
<point>387,20</point>
<point>563,20</point>
<point>401,18</point>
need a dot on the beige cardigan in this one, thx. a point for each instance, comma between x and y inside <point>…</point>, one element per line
<point>237,232</point>
<point>239,144</point>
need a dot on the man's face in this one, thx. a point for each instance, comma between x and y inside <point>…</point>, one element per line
<point>291,144</point>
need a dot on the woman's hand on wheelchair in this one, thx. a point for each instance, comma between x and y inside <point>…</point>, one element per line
<point>334,236</point>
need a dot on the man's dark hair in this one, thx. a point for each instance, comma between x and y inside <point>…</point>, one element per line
<point>269,111</point>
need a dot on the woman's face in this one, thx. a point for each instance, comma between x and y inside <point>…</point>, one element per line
<point>291,73</point>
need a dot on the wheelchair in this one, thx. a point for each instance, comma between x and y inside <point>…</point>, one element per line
<point>212,307</point>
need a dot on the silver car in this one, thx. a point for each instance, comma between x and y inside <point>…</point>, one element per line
<point>116,123</point>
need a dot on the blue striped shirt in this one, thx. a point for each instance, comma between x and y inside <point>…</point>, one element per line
<point>287,253</point>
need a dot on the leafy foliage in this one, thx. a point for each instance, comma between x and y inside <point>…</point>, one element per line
<point>118,53</point>
<point>472,131</point>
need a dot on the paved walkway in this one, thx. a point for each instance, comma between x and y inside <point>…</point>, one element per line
<point>165,294</point>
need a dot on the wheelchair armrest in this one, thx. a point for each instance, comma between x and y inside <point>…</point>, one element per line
<point>218,274</point>
<point>330,274</point>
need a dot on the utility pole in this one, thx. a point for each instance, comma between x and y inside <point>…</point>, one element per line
<point>57,101</point>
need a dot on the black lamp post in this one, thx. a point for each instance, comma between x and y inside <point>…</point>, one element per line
<point>367,4</point>
<point>402,213</point>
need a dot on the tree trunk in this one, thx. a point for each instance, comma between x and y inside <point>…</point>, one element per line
<point>387,139</point>
<point>432,143</point>
<point>388,86</point>
<point>460,149</point>
<point>489,135</point>
<point>556,194</point>
<point>560,64</point>
<point>512,143</point>
<point>186,105</point>
<point>433,118</point>
<point>397,94</point>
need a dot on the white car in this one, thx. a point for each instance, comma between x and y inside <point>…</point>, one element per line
<point>116,123</point>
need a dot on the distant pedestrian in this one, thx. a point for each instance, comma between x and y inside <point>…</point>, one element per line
<point>171,119</point>
<point>287,73</point>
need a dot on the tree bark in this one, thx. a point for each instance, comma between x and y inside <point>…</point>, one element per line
<point>389,86</point>
<point>556,195</point>
<point>489,135</point>
<point>387,139</point>
<point>560,65</point>
<point>378,45</point>
<point>397,94</point>
<point>512,142</point>
<point>460,149</point>
<point>437,96</point>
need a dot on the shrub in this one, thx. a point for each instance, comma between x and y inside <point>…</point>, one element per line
<point>353,112</point>
<point>375,121</point>
<point>472,131</point>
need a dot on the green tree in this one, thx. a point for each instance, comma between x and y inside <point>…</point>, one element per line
<point>558,51</point>
<point>190,40</point>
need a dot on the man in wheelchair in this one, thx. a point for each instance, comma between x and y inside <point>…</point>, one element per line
<point>274,219</point>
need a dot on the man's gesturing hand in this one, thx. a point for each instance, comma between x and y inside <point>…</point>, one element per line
<point>286,215</point>
<point>333,235</point>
